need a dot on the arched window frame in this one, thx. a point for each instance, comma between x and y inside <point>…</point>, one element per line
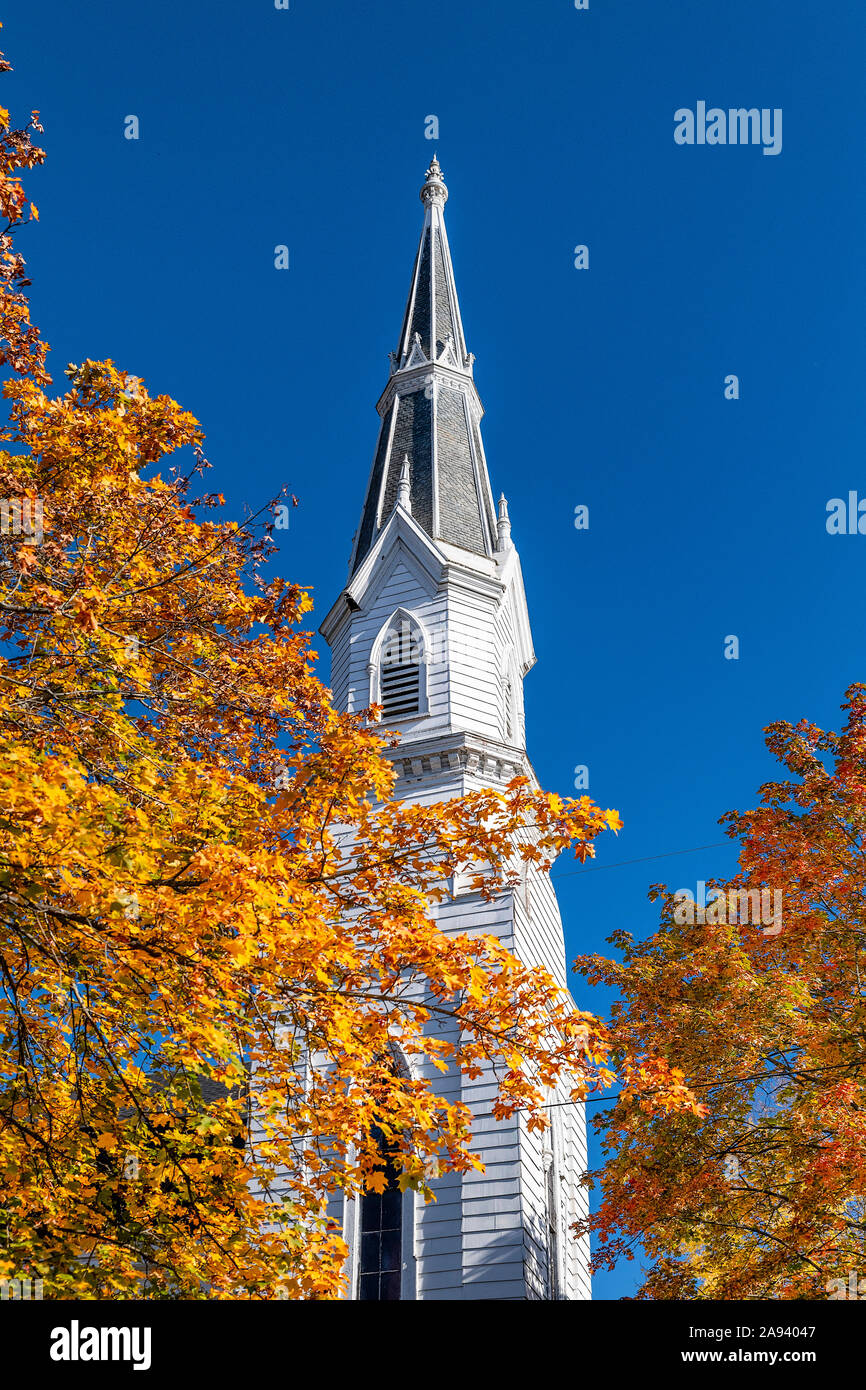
<point>374,667</point>
<point>352,1224</point>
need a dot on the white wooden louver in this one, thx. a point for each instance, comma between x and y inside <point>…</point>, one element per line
<point>400,688</point>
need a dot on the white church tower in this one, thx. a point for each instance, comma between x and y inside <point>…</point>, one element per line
<point>434,575</point>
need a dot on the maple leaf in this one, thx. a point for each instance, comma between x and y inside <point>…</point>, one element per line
<point>86,618</point>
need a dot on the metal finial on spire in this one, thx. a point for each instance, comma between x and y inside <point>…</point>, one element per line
<point>434,193</point>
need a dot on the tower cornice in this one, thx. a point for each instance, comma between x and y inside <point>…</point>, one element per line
<point>425,377</point>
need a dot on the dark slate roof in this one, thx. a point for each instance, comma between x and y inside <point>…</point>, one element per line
<point>430,410</point>
<point>432,293</point>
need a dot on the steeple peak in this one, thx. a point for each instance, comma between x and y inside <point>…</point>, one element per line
<point>430,409</point>
<point>434,190</point>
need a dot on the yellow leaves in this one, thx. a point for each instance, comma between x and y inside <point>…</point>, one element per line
<point>270,935</point>
<point>242,950</point>
<point>34,211</point>
<point>477,983</point>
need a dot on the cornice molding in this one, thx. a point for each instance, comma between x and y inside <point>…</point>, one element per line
<point>424,375</point>
<point>461,754</point>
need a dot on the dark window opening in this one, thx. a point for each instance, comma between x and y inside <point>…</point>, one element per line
<point>379,1270</point>
<point>552,1234</point>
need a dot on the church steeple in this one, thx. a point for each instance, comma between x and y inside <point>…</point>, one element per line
<point>430,409</point>
<point>432,628</point>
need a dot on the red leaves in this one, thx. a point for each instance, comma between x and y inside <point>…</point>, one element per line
<point>86,618</point>
<point>26,559</point>
<point>755,1194</point>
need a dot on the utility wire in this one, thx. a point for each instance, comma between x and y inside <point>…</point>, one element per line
<point>670,854</point>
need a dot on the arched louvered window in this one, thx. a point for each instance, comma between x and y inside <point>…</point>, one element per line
<point>380,1262</point>
<point>401,670</point>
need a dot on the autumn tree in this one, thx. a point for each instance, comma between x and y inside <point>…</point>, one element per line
<point>762,1194</point>
<point>215,921</point>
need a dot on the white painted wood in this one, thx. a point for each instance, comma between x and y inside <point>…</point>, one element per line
<point>488,1234</point>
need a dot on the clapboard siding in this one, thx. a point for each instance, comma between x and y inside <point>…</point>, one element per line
<point>487,1235</point>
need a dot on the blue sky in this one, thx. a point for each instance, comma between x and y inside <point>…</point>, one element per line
<point>604,387</point>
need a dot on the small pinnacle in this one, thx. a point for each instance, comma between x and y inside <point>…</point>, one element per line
<point>503,525</point>
<point>434,190</point>
<point>404,496</point>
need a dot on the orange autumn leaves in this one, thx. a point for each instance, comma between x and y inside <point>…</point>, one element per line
<point>21,347</point>
<point>216,926</point>
<point>762,1193</point>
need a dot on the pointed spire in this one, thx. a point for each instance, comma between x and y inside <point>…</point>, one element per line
<point>430,409</point>
<point>432,319</point>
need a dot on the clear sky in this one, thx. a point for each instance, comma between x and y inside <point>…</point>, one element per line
<point>605,387</point>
